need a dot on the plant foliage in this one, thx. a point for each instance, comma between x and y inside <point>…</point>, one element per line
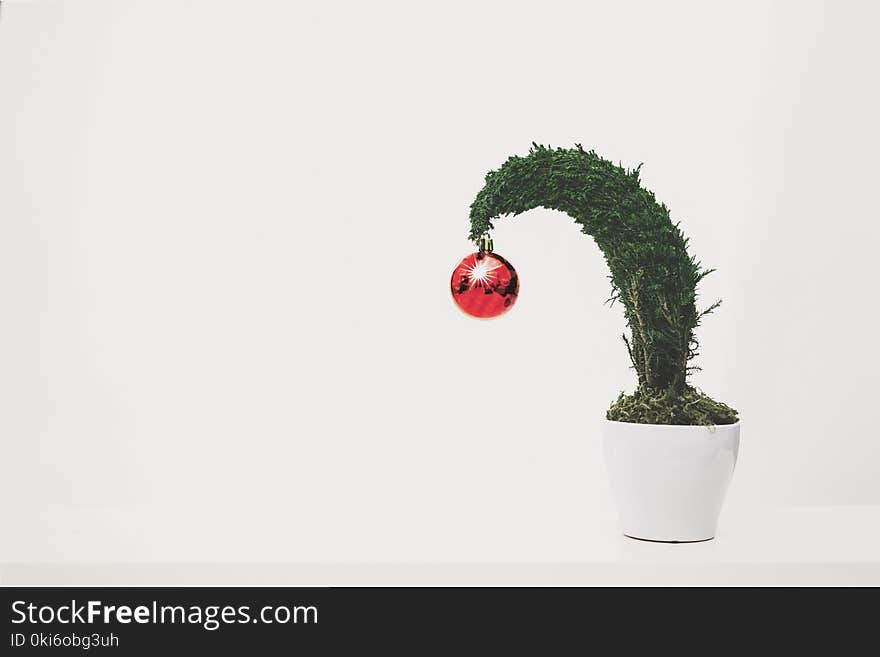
<point>652,274</point>
<point>688,406</point>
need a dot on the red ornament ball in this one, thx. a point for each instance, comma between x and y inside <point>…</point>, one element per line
<point>484,285</point>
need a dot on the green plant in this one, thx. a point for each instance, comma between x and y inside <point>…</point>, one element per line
<point>652,274</point>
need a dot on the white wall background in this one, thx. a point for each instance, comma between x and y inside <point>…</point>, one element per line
<point>226,232</point>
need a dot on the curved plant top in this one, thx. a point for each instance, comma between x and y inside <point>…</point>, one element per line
<point>652,274</point>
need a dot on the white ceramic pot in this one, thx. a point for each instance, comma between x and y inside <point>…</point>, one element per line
<point>669,481</point>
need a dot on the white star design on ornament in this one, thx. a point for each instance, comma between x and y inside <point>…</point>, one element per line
<point>481,272</point>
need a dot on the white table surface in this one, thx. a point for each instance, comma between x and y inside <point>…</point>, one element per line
<point>760,545</point>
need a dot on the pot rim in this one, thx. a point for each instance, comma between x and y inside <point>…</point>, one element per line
<point>711,427</point>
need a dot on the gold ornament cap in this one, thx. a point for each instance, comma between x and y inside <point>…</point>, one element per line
<point>485,243</point>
